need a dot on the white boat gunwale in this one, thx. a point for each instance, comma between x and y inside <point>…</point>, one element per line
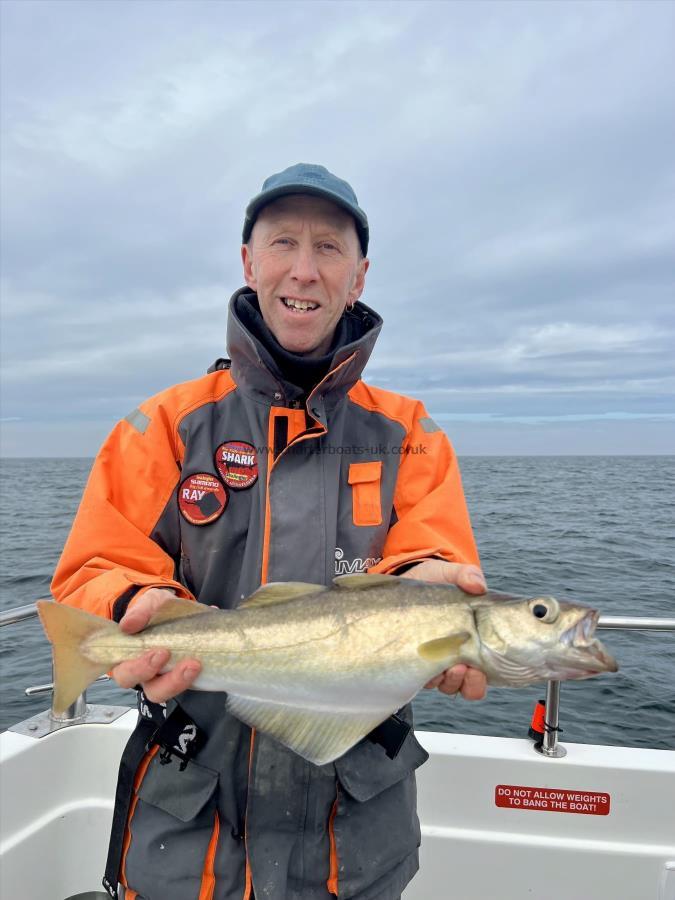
<point>472,848</point>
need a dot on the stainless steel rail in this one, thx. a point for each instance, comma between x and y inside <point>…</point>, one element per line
<point>47,688</point>
<point>18,614</point>
<point>637,623</point>
<point>77,711</point>
<point>549,746</point>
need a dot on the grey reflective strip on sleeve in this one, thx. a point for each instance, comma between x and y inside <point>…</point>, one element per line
<point>429,425</point>
<point>139,420</point>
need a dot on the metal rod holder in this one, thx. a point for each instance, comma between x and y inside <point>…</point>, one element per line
<point>549,746</point>
<point>76,712</point>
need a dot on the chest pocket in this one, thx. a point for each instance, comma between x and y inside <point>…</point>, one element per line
<point>365,480</point>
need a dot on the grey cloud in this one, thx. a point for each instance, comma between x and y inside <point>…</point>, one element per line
<point>515,160</point>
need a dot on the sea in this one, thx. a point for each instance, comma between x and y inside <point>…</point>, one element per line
<point>598,529</point>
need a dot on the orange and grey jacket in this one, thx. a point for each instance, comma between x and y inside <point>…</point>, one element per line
<point>212,488</point>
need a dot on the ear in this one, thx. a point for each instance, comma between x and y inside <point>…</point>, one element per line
<point>359,281</point>
<point>249,274</point>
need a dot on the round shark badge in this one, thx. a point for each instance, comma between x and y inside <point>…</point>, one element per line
<point>202,498</point>
<point>237,463</point>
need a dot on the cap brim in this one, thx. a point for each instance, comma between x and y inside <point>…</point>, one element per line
<point>266,197</point>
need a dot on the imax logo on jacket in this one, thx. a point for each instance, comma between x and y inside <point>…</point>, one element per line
<point>353,567</point>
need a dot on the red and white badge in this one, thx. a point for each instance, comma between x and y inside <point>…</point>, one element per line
<point>202,498</point>
<point>237,462</point>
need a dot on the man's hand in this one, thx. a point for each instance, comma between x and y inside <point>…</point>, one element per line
<point>144,670</point>
<point>470,683</point>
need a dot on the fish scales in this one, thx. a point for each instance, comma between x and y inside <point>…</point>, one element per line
<point>319,667</point>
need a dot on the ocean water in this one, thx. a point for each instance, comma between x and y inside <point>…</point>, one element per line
<point>597,529</point>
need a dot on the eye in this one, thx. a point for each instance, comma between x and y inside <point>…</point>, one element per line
<point>545,608</point>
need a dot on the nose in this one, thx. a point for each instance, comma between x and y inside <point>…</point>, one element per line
<point>304,269</point>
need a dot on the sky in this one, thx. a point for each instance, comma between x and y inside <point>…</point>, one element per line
<point>516,162</point>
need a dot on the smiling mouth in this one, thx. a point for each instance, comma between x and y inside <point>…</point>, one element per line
<point>299,306</point>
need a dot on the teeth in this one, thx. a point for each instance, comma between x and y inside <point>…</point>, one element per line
<point>581,634</point>
<point>302,305</point>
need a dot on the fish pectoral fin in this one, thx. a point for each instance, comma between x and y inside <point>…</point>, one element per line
<point>280,592</point>
<point>443,648</point>
<point>178,608</point>
<point>363,581</point>
<point>319,736</point>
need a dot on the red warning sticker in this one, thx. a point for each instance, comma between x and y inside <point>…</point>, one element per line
<point>202,498</point>
<point>237,462</point>
<point>587,803</point>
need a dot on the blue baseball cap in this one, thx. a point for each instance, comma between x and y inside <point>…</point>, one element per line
<point>305,178</point>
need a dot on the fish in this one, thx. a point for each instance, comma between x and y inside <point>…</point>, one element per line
<point>319,667</point>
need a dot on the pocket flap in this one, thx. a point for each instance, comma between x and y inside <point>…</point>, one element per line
<point>366,770</point>
<point>181,794</point>
<point>359,473</point>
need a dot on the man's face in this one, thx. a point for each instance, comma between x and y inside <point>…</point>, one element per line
<point>304,263</point>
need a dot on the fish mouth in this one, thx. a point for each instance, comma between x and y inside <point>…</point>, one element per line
<point>591,656</point>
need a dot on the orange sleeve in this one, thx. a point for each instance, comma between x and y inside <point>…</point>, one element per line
<point>432,517</point>
<point>109,549</point>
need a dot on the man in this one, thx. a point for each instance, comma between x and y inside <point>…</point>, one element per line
<point>281,465</point>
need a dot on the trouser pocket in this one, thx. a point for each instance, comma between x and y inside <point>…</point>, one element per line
<point>375,824</point>
<point>172,831</point>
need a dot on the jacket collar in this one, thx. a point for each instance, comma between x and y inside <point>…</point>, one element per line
<point>255,372</point>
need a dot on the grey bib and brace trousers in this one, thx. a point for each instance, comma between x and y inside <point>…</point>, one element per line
<point>349,479</point>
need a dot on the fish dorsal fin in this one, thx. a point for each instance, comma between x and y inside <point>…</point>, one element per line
<point>443,648</point>
<point>280,592</point>
<point>318,735</point>
<point>362,582</point>
<point>178,608</point>
<point>479,601</point>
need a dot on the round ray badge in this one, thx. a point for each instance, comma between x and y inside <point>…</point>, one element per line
<point>237,463</point>
<point>202,498</point>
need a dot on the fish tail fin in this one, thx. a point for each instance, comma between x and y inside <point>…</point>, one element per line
<point>67,627</point>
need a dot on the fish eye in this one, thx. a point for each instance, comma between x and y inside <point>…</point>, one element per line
<point>545,608</point>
